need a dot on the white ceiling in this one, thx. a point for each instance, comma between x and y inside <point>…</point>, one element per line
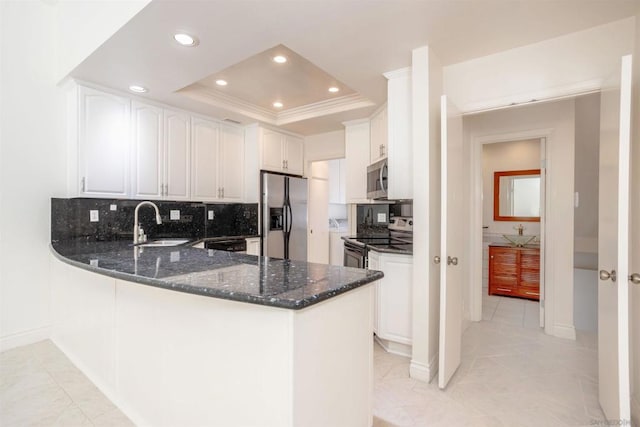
<point>353,42</point>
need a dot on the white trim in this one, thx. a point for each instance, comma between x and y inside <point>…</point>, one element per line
<point>24,338</point>
<point>322,108</point>
<point>475,238</point>
<point>545,95</point>
<point>422,372</point>
<point>394,347</point>
<point>563,331</point>
<point>401,72</point>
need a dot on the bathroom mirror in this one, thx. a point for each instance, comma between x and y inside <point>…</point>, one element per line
<point>516,195</point>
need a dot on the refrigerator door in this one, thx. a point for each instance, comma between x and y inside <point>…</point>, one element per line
<point>273,214</point>
<point>298,219</point>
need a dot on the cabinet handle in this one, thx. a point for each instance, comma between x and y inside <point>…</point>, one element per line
<point>223,192</point>
<point>166,190</point>
<point>533,293</point>
<point>283,165</point>
<point>286,164</point>
<point>82,184</point>
<point>218,192</point>
<point>503,289</point>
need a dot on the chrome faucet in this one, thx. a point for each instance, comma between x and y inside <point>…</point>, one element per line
<point>520,229</point>
<point>136,223</point>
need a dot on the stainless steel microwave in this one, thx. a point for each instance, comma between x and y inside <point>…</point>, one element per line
<point>377,181</point>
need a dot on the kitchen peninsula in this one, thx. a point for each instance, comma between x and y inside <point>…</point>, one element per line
<point>186,336</point>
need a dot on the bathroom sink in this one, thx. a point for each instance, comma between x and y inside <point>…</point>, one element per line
<point>163,242</point>
<point>518,240</point>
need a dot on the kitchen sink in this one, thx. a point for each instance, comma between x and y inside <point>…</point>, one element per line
<point>156,243</point>
<point>518,240</point>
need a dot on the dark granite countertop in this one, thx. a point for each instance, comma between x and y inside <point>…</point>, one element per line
<point>219,274</point>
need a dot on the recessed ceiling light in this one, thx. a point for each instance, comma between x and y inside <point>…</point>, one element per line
<point>185,39</point>
<point>277,104</point>
<point>280,59</point>
<point>221,82</point>
<point>334,89</point>
<point>138,89</point>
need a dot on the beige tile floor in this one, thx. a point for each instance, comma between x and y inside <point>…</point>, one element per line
<point>511,375</point>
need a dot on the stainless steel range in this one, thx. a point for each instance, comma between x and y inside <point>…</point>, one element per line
<point>399,239</point>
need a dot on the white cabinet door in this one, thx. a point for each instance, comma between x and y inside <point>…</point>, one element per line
<point>177,164</point>
<point>395,303</point>
<point>272,149</point>
<point>103,140</point>
<point>204,160</point>
<point>378,142</point>
<point>356,161</point>
<point>294,155</point>
<point>318,214</point>
<point>231,163</point>
<point>337,181</point>
<point>373,262</point>
<point>147,149</point>
<point>399,139</point>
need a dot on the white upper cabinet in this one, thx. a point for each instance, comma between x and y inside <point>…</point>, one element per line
<point>103,144</point>
<point>231,166</point>
<point>399,140</point>
<point>147,151</point>
<point>280,152</point>
<point>337,181</point>
<point>160,150</point>
<point>356,160</point>
<point>204,160</point>
<point>177,148</point>
<point>293,155</point>
<point>378,147</point>
<point>217,161</point>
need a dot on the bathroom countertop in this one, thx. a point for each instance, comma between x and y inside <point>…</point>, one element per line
<point>219,274</point>
<point>509,245</point>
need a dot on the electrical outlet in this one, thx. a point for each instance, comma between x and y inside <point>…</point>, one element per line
<point>174,215</point>
<point>113,207</point>
<point>94,216</point>
<point>210,215</point>
<point>93,262</point>
<point>174,256</point>
<point>382,217</point>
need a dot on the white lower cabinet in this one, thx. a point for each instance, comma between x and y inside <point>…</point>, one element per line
<point>393,301</point>
<point>253,246</point>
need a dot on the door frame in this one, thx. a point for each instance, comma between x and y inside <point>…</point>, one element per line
<point>475,235</point>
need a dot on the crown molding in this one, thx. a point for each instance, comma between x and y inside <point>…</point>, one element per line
<point>402,72</point>
<point>213,97</point>
<point>216,98</point>
<point>323,108</point>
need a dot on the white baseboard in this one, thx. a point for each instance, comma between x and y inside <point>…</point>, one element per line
<point>394,347</point>
<point>421,372</point>
<point>24,338</point>
<point>564,331</point>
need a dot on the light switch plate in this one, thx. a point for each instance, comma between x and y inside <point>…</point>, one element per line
<point>210,215</point>
<point>94,215</point>
<point>174,215</point>
<point>382,217</point>
<point>174,256</point>
<point>113,207</point>
<point>93,262</point>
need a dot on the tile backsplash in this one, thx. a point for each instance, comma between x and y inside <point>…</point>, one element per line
<point>71,219</point>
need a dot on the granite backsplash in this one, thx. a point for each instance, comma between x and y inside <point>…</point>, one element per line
<point>70,219</point>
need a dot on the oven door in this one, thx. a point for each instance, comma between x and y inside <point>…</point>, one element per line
<point>354,257</point>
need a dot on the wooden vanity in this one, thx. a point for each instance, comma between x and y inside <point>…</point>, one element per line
<point>514,271</point>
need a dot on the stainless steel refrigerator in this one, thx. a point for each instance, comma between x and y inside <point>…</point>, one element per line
<point>283,217</point>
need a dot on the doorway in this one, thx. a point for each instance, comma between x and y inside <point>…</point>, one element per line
<point>512,242</point>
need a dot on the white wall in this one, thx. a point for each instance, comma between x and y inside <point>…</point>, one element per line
<point>500,157</point>
<point>635,236</point>
<point>83,25</point>
<point>556,67</point>
<point>586,174</point>
<point>556,119</point>
<point>32,168</point>
<point>426,87</point>
<point>323,146</point>
<point>54,37</point>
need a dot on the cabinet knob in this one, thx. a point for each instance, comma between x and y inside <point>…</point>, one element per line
<point>605,275</point>
<point>452,260</point>
<point>436,259</point>
<point>635,278</point>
